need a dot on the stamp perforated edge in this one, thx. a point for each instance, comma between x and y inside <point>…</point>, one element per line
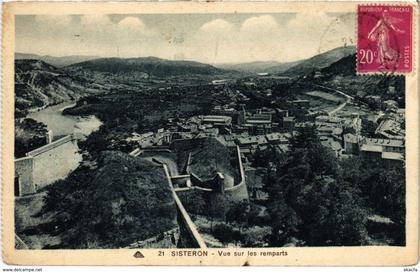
<point>414,42</point>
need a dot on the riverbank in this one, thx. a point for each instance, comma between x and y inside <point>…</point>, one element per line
<point>62,125</point>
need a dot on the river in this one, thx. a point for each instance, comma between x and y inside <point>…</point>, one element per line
<point>62,125</point>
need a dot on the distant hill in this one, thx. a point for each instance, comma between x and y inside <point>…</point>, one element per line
<point>56,61</point>
<point>344,67</point>
<point>282,67</point>
<point>320,61</point>
<point>39,84</point>
<point>272,67</point>
<point>150,65</point>
<point>302,67</point>
<point>249,67</point>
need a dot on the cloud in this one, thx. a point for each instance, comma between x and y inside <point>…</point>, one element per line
<point>255,38</point>
<point>221,41</point>
<point>315,20</point>
<point>263,38</point>
<point>212,41</point>
<point>95,20</point>
<point>321,32</point>
<point>258,37</point>
<point>217,26</point>
<point>259,24</point>
<point>131,24</point>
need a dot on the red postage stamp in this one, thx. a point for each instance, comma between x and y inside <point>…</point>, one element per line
<point>384,39</point>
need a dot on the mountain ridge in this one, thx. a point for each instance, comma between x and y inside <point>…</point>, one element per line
<point>152,66</point>
<point>259,66</point>
<point>55,61</point>
<point>320,61</point>
<point>39,84</point>
<point>299,67</point>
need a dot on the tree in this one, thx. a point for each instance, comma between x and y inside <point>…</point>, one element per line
<point>322,160</point>
<point>142,124</point>
<point>284,222</point>
<point>238,212</point>
<point>122,201</point>
<point>309,199</point>
<point>382,188</point>
<point>263,157</point>
<point>29,135</point>
<point>332,214</point>
<point>224,233</point>
<point>96,142</point>
<point>194,201</point>
<point>237,236</point>
<point>368,127</point>
<point>387,197</point>
<point>216,207</point>
<point>305,138</point>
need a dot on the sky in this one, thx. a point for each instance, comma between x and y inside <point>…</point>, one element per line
<point>208,38</point>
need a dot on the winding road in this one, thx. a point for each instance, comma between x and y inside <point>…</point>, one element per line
<point>339,108</point>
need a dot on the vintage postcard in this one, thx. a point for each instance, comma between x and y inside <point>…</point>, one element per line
<point>210,133</point>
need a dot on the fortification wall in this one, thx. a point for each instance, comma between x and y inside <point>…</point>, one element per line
<point>23,172</point>
<point>187,226</point>
<point>182,148</point>
<point>51,163</point>
<point>237,193</point>
<point>198,194</point>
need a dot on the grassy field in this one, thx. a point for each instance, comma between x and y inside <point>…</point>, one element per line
<point>326,96</point>
<point>317,103</point>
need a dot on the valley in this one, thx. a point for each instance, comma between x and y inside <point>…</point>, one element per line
<point>292,132</point>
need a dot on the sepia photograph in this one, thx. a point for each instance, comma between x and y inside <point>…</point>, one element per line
<point>218,130</point>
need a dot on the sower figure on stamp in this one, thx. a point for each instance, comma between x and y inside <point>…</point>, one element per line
<point>381,33</point>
